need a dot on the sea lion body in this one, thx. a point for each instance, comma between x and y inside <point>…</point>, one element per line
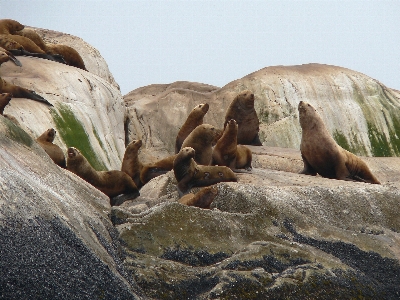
<point>321,154</point>
<point>53,150</point>
<point>33,36</point>
<point>201,199</point>
<point>69,54</point>
<point>242,110</point>
<point>20,92</point>
<point>228,153</point>
<point>131,164</point>
<point>157,168</point>
<point>189,174</point>
<point>194,119</point>
<point>201,139</point>
<point>112,183</point>
<point>9,26</point>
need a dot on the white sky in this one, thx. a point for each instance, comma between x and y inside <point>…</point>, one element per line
<point>216,41</point>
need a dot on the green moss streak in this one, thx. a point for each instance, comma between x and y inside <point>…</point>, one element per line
<point>379,143</point>
<point>17,134</point>
<point>73,134</point>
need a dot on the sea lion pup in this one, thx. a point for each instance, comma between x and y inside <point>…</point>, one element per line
<point>112,183</point>
<point>189,174</point>
<point>69,54</point>
<point>157,168</point>
<point>227,153</point>
<point>194,119</point>
<point>201,199</point>
<point>53,150</point>
<point>242,110</point>
<point>321,154</point>
<point>6,55</point>
<point>201,139</point>
<point>131,164</point>
<point>20,92</point>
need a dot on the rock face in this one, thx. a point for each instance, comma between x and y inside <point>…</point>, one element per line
<point>361,113</point>
<point>274,234</point>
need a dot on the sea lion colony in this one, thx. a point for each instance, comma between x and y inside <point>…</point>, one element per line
<point>204,155</point>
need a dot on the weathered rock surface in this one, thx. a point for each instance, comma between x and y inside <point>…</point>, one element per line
<point>361,113</point>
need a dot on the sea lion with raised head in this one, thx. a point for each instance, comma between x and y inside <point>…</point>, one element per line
<point>9,26</point>
<point>202,139</point>
<point>189,174</point>
<point>242,110</point>
<point>228,153</point>
<point>54,151</point>
<point>321,154</point>
<point>131,164</point>
<point>202,198</point>
<point>112,183</point>
<point>20,92</point>
<point>194,119</point>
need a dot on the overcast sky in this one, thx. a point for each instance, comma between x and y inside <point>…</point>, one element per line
<point>216,42</point>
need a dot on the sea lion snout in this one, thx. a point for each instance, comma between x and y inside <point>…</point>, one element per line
<point>72,152</point>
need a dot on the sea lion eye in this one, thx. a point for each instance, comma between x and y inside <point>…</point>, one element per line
<point>221,174</point>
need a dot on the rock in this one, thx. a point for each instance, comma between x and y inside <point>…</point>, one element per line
<point>361,113</point>
<point>56,238</point>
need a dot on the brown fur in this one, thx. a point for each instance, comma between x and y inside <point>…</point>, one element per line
<point>189,174</point>
<point>194,119</point>
<point>157,168</point>
<point>201,199</point>
<point>20,92</point>
<point>70,55</point>
<point>131,164</point>
<point>53,150</point>
<point>5,98</point>
<point>9,26</point>
<point>112,183</point>
<point>242,110</point>
<point>201,139</point>
<point>321,154</point>
<point>227,153</point>
<point>33,36</point>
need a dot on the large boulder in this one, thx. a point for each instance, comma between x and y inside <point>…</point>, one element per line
<point>361,113</point>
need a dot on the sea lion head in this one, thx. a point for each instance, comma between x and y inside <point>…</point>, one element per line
<point>204,107</point>
<point>9,26</point>
<point>209,134</point>
<point>5,97</point>
<point>50,134</point>
<point>187,152</point>
<point>245,99</point>
<point>4,57</point>
<point>308,115</point>
<point>73,153</point>
<point>134,146</point>
<point>232,124</point>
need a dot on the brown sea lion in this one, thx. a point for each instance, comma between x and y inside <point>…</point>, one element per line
<point>321,154</point>
<point>189,174</point>
<point>6,55</point>
<point>9,26</point>
<point>201,199</point>
<point>242,110</point>
<point>131,164</point>
<point>20,92</point>
<point>227,153</point>
<point>5,98</point>
<point>69,54</point>
<point>194,119</point>
<point>112,183</point>
<point>53,150</point>
<point>201,139</point>
<point>33,36</point>
<point>157,168</point>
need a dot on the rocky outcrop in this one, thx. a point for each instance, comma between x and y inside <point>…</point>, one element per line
<point>361,113</point>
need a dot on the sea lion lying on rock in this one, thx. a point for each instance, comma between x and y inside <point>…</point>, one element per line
<point>321,154</point>
<point>201,199</point>
<point>112,183</point>
<point>189,174</point>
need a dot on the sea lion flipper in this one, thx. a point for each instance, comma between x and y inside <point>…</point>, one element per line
<point>39,98</point>
<point>15,61</point>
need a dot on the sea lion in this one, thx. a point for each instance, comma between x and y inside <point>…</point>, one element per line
<point>201,199</point>
<point>112,183</point>
<point>201,139</point>
<point>227,153</point>
<point>189,174</point>
<point>33,36</point>
<point>157,168</point>
<point>5,98</point>
<point>194,119</point>
<point>321,154</point>
<point>6,55</point>
<point>20,92</point>
<point>53,150</point>
<point>131,164</point>
<point>69,54</point>
<point>9,26</point>
<point>242,110</point>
